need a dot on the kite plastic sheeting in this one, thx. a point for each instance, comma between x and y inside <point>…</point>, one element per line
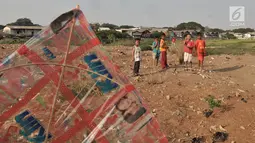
<point>95,102</point>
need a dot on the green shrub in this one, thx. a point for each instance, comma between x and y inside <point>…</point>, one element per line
<point>146,48</point>
<point>12,41</point>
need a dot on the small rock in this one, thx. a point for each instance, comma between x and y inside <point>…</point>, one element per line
<point>168,97</point>
<point>191,107</point>
<point>233,142</point>
<point>222,129</point>
<point>187,134</point>
<point>154,111</point>
<point>238,94</point>
<point>212,58</point>
<point>198,140</point>
<point>199,112</point>
<point>241,90</point>
<point>242,127</point>
<point>213,128</point>
<point>208,113</point>
<point>245,101</point>
<point>220,137</point>
<point>179,83</point>
<point>178,112</point>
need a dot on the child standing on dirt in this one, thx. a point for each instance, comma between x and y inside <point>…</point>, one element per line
<point>136,57</point>
<point>155,52</point>
<point>188,47</point>
<point>173,41</point>
<point>200,47</point>
<point>163,51</point>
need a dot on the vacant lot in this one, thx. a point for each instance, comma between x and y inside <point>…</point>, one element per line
<point>178,97</point>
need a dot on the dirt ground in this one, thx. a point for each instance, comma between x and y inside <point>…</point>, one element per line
<point>177,96</point>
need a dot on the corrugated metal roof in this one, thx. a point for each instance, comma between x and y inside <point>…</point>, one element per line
<point>26,27</point>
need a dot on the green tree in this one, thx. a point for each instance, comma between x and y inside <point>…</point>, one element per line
<point>126,26</point>
<point>190,25</point>
<point>111,26</point>
<point>156,34</point>
<point>1,27</point>
<point>230,36</point>
<point>111,37</point>
<point>95,26</point>
<point>23,22</point>
<point>243,30</point>
<point>216,30</point>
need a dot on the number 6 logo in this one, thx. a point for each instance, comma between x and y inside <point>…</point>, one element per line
<point>236,15</point>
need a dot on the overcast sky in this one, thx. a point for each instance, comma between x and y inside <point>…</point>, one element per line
<point>158,13</point>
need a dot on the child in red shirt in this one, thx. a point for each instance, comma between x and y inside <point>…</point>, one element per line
<point>173,41</point>
<point>188,47</point>
<point>200,47</point>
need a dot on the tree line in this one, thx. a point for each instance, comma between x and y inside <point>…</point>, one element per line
<point>182,26</point>
<point>112,35</point>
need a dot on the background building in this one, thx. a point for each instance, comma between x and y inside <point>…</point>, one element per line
<point>22,30</point>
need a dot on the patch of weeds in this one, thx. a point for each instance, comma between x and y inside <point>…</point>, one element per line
<point>213,102</point>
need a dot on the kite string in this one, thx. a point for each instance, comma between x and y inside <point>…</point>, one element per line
<point>67,65</point>
<point>60,80</point>
<point>78,105</point>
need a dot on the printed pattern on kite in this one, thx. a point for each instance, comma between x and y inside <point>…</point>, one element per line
<point>31,125</point>
<point>96,66</point>
<point>48,53</point>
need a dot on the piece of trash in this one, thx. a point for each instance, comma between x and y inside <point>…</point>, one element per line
<point>245,101</point>
<point>207,113</point>
<point>198,140</point>
<point>220,137</point>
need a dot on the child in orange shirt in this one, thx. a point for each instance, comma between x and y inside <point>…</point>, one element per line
<point>163,51</point>
<point>200,47</point>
